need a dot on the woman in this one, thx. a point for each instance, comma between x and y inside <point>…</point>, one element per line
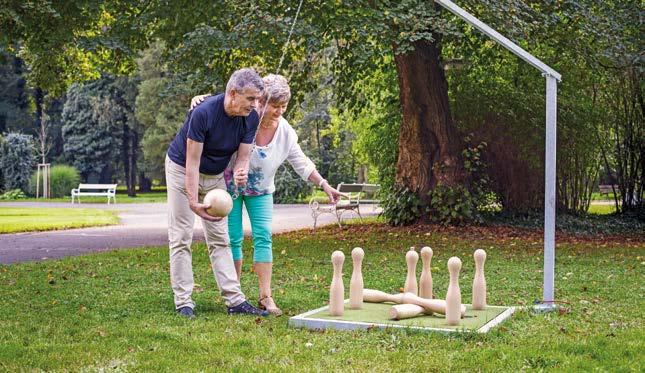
<point>275,142</point>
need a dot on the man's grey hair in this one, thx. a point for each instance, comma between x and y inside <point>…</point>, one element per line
<point>276,89</point>
<point>245,78</point>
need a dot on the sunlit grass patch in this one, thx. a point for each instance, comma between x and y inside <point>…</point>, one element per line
<point>26,219</point>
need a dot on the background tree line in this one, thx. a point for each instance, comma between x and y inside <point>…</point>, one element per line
<point>400,93</point>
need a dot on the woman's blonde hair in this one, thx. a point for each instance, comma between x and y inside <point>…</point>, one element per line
<point>276,89</point>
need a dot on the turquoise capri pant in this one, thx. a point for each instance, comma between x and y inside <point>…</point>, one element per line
<point>260,210</point>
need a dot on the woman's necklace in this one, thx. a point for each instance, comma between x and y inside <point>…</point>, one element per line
<point>270,125</point>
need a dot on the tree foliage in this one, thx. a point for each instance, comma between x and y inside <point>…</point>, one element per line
<point>17,159</point>
<point>99,127</point>
<point>160,107</point>
<point>349,65</point>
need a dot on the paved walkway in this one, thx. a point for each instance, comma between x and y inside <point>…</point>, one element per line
<point>143,224</point>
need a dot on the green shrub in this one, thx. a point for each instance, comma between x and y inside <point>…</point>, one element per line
<point>62,179</point>
<point>453,205</point>
<point>17,158</point>
<point>13,194</point>
<point>401,206</point>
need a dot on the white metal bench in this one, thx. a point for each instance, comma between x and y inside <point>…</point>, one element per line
<point>352,202</point>
<point>101,190</point>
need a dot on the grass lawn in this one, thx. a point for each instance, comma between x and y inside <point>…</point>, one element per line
<point>114,310</point>
<point>121,197</point>
<point>25,219</point>
<point>601,209</point>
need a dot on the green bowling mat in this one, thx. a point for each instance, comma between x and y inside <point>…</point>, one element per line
<point>376,315</point>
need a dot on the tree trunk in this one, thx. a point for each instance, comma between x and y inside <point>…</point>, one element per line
<point>126,156</point>
<point>429,144</point>
<point>39,97</point>
<point>132,176</point>
<point>145,184</point>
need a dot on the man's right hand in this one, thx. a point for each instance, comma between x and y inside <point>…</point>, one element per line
<point>200,210</point>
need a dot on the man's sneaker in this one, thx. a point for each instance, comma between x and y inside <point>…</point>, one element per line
<point>186,312</point>
<point>245,308</point>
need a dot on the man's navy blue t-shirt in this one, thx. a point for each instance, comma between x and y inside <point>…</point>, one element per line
<point>221,135</point>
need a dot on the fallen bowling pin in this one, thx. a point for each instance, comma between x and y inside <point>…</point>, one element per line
<point>479,281</point>
<point>377,296</point>
<point>411,258</point>
<point>430,305</point>
<point>337,289</point>
<point>425,281</point>
<point>406,311</point>
<point>356,283</point>
<point>453,296</point>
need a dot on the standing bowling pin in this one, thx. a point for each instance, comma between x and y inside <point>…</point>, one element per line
<point>337,290</point>
<point>411,279</point>
<point>425,281</point>
<point>479,282</point>
<point>356,283</point>
<point>453,296</point>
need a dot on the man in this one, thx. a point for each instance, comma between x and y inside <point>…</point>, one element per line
<point>195,163</point>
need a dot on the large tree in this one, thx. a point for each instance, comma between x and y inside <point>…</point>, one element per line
<point>100,130</point>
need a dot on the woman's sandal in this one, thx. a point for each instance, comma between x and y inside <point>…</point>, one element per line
<point>275,311</point>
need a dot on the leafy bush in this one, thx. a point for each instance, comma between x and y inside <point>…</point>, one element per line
<point>62,179</point>
<point>13,194</point>
<point>289,187</point>
<point>632,223</point>
<point>401,206</point>
<point>453,205</point>
<point>17,158</point>
<point>459,204</point>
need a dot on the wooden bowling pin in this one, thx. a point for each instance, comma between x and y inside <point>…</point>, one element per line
<point>406,311</point>
<point>377,296</point>
<point>479,282</point>
<point>430,305</point>
<point>453,296</point>
<point>425,281</point>
<point>411,258</point>
<point>337,290</point>
<point>356,283</point>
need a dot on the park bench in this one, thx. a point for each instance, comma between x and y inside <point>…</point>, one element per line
<point>607,189</point>
<point>104,190</point>
<point>353,201</point>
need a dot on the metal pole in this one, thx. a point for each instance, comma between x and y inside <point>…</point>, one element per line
<point>549,190</point>
<point>552,79</point>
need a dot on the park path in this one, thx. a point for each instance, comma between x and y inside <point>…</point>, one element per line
<point>141,224</point>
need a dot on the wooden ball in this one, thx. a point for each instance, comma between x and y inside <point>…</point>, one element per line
<point>220,203</point>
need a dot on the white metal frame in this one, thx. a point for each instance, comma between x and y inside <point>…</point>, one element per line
<point>552,78</point>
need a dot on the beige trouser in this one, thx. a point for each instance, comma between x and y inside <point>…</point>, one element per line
<point>180,235</point>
